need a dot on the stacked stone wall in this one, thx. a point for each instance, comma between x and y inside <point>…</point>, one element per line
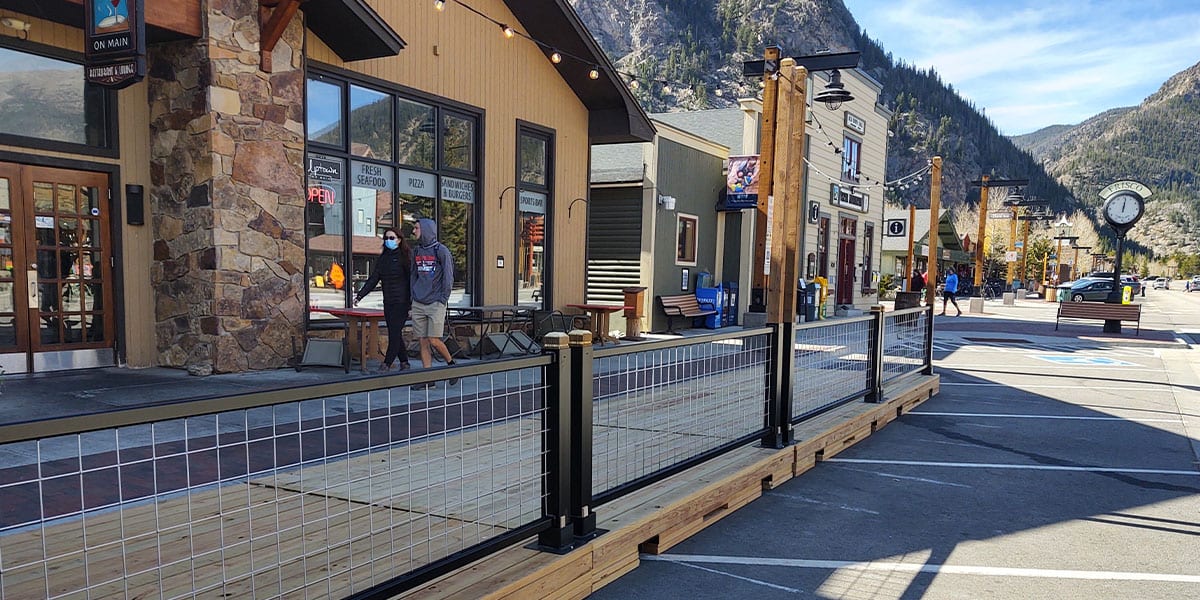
<point>228,195</point>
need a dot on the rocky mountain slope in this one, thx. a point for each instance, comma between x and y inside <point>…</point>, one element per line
<point>1156,142</point>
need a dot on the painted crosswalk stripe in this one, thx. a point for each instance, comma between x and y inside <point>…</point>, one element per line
<point>1086,469</point>
<point>892,566</point>
<point>1060,417</point>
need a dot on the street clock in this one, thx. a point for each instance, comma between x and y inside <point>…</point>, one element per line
<point>1123,210</point>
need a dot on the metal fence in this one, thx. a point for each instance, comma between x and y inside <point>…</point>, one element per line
<point>323,495</point>
<point>831,364</point>
<point>907,342</point>
<point>369,487</point>
<point>662,405</point>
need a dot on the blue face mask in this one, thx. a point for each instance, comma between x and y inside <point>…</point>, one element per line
<point>391,244</point>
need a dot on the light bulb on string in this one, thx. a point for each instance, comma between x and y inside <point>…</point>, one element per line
<point>555,56</point>
<point>439,5</point>
<point>594,73</point>
<point>509,32</point>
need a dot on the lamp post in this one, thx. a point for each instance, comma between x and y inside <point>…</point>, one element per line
<point>984,183</point>
<point>832,97</point>
<point>1063,226</point>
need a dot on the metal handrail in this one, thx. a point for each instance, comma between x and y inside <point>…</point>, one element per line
<point>683,341</point>
<point>214,404</point>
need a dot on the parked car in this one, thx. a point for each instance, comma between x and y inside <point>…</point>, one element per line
<point>1162,283</point>
<point>1090,290</point>
<point>1193,284</point>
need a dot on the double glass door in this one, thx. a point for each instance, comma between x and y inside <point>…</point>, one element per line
<point>55,270</point>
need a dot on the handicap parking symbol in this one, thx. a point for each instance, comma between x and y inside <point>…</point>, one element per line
<point>1085,361</point>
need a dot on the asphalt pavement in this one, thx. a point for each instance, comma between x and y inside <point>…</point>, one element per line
<point>1051,465</point>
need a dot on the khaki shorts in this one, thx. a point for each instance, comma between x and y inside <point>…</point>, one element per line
<point>429,320</point>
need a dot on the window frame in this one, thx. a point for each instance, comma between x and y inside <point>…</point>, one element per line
<point>547,135</point>
<point>868,254</point>
<point>111,149</point>
<point>472,275</point>
<point>695,241</point>
<point>851,158</point>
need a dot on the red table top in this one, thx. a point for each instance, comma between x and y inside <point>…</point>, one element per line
<point>361,313</point>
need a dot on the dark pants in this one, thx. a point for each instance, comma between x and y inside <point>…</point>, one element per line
<point>396,348</point>
<point>950,297</point>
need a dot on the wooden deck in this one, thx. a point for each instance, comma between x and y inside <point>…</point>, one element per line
<point>351,523</point>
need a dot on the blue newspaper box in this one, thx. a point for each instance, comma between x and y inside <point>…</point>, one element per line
<point>714,298</point>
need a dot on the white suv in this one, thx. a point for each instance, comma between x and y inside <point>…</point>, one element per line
<point>1162,283</point>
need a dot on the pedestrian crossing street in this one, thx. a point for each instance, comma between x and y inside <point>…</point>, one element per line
<point>947,346</point>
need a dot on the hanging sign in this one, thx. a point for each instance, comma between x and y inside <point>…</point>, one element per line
<point>896,227</point>
<point>741,183</point>
<point>114,45</point>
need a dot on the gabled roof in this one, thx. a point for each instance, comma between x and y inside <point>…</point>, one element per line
<point>720,125</point>
<point>614,114</point>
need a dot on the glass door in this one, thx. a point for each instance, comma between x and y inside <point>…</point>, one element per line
<point>57,313</point>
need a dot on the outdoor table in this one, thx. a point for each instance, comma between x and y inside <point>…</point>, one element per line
<point>599,314</point>
<point>364,331</point>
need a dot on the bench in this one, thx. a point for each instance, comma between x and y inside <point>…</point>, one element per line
<point>684,306</point>
<point>1100,310</point>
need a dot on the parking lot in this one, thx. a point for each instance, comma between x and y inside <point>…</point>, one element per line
<point>1045,468</point>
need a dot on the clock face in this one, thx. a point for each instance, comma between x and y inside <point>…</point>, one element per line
<point>1123,209</point>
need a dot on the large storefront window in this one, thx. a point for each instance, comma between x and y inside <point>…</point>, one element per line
<point>46,99</point>
<point>533,196</point>
<point>372,164</point>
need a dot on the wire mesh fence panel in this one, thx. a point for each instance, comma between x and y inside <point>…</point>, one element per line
<point>904,343</point>
<point>314,498</point>
<point>656,409</point>
<point>831,365</point>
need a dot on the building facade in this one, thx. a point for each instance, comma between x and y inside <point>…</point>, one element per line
<point>205,216</point>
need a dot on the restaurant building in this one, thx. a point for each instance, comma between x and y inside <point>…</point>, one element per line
<point>196,218</point>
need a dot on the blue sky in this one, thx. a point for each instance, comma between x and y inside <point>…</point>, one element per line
<point>1030,64</point>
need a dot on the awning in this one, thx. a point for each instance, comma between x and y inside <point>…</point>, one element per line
<point>351,29</point>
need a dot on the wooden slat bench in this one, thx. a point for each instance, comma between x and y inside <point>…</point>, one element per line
<point>684,306</point>
<point>1100,310</point>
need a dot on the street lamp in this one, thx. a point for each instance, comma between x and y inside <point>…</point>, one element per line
<point>1064,230</point>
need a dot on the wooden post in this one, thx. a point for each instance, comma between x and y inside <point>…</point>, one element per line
<point>766,167</point>
<point>935,205</point>
<point>789,169</point>
<point>979,246</point>
<point>910,263</point>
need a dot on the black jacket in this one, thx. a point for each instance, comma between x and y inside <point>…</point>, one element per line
<point>392,269</point>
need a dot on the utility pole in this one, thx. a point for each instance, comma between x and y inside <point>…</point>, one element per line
<point>766,167</point>
<point>910,263</point>
<point>935,202</point>
<point>979,246</point>
<point>785,223</point>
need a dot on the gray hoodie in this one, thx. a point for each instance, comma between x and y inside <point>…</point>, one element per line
<point>433,267</point>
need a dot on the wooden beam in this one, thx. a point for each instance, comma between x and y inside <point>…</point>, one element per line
<point>180,16</point>
<point>272,24</point>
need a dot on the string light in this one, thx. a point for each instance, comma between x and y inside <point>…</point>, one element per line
<point>555,57</point>
<point>439,5</point>
<point>509,32</point>
<point>594,73</point>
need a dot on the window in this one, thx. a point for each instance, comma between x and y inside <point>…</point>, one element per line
<point>851,157</point>
<point>373,163</point>
<point>868,278</point>
<point>370,123</point>
<point>685,235</point>
<point>45,98</point>
<point>533,198</point>
<point>324,106</point>
<point>823,248</point>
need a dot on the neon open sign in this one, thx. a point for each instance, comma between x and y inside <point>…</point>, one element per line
<point>321,194</point>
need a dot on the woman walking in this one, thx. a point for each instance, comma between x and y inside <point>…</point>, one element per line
<point>392,269</point>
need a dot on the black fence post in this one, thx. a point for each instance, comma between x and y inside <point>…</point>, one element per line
<point>875,352</point>
<point>559,537</point>
<point>779,382</point>
<point>581,436</point>
<point>928,370</point>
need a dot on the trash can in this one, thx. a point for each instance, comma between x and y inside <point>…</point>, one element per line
<point>635,297</point>
<point>812,293</point>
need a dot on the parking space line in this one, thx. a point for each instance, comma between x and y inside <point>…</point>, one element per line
<point>1055,387</point>
<point>924,568</point>
<point>1060,417</point>
<point>923,463</point>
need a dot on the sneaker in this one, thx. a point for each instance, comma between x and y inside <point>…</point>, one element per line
<point>404,366</point>
<point>383,368</point>
<point>452,380</point>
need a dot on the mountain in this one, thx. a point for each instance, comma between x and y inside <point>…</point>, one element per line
<point>1156,143</point>
<point>688,54</point>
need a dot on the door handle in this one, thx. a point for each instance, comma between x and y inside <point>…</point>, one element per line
<point>32,276</point>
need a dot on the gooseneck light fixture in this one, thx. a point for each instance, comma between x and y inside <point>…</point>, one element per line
<point>502,192</point>
<point>572,204</point>
<point>835,92</point>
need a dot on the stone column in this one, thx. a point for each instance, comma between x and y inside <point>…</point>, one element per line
<point>228,195</point>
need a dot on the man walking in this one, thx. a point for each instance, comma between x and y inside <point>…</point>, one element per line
<point>432,276</point>
<point>948,292</point>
